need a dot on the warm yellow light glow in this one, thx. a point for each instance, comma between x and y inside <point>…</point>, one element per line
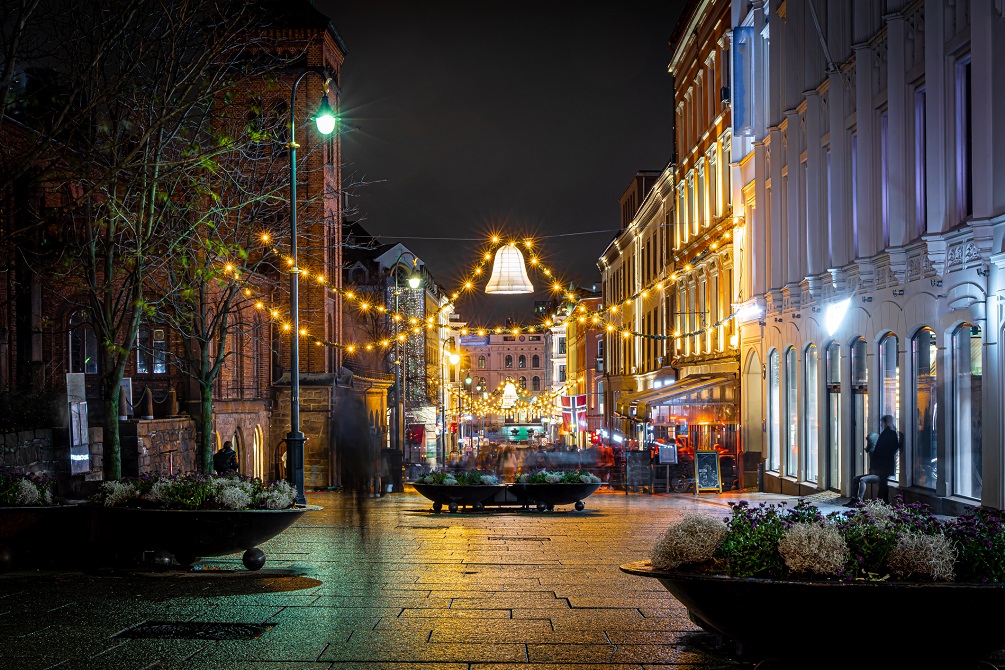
<point>687,268</point>
<point>381,309</point>
<point>533,260</point>
<point>247,292</point>
<point>385,343</point>
<point>275,313</point>
<point>286,326</point>
<point>498,331</point>
<point>645,294</point>
<point>289,261</point>
<point>481,331</point>
<point>363,306</point>
<point>413,320</point>
<point>495,240</point>
<point>488,256</point>
<point>464,331</point>
<point>453,296</point>
<point>547,272</point>
<point>478,271</point>
<point>350,348</point>
<point>303,331</point>
<point>401,337</point>
<point>468,285</point>
<point>548,323</point>
<point>305,273</point>
<point>321,279</point>
<point>673,277</point>
<point>259,305</point>
<point>557,286</point>
<point>396,317</point>
<point>610,328</point>
<point>626,334</point>
<point>369,347</point>
<point>228,268</point>
<point>676,333</point>
<point>614,309</point>
<point>265,238</point>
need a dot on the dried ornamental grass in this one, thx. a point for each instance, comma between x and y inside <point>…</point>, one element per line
<point>816,548</point>
<point>693,539</point>
<point>933,556</point>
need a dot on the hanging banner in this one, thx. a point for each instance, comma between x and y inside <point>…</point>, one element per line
<point>743,80</point>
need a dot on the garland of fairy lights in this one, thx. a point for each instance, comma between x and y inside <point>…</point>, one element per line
<point>579,311</point>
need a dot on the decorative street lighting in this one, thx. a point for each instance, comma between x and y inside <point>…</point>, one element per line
<point>414,281</point>
<point>454,359</point>
<point>326,122</point>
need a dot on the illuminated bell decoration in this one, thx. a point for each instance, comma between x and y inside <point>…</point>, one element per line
<point>509,395</point>
<point>509,274</point>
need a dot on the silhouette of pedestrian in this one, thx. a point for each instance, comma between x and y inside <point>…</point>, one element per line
<point>352,445</point>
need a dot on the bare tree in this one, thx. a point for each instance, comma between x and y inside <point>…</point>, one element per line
<point>134,131</point>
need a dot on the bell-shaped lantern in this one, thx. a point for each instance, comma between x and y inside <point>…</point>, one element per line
<point>509,274</point>
<point>509,395</point>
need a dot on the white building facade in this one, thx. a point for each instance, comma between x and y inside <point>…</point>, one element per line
<point>870,177</point>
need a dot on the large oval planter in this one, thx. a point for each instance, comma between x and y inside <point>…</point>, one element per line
<point>189,534</point>
<point>457,495</point>
<point>770,618</point>
<point>28,534</point>
<point>546,496</point>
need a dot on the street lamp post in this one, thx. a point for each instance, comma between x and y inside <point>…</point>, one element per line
<point>325,120</point>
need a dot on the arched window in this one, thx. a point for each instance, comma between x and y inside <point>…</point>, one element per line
<point>83,347</point>
<point>536,383</point>
<point>925,353</point>
<point>968,374</point>
<point>811,463</point>
<point>792,412</point>
<point>523,383</point>
<point>358,276</point>
<point>481,362</point>
<point>889,370</point>
<point>509,360</point>
<point>774,412</point>
<point>522,361</point>
<point>860,426</point>
<point>835,442</point>
<point>535,361</point>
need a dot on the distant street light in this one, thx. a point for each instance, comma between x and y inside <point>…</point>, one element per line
<point>326,122</point>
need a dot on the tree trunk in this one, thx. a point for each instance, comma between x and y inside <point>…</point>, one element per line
<point>205,455</point>
<point>111,445</point>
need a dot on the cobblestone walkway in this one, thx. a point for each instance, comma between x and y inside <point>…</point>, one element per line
<point>399,588</point>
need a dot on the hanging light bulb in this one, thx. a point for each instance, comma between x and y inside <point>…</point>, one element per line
<point>509,274</point>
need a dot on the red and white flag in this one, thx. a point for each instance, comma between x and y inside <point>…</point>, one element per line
<point>574,413</point>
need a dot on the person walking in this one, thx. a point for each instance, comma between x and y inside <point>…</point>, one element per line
<point>882,462</point>
<point>508,464</point>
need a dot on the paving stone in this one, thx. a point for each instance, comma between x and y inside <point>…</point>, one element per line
<point>415,590</point>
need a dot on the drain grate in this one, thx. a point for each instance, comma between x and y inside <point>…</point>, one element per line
<point>520,539</point>
<point>196,630</point>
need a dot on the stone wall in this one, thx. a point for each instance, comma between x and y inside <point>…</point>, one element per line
<point>240,418</point>
<point>158,445</point>
<point>315,424</point>
<point>34,451</point>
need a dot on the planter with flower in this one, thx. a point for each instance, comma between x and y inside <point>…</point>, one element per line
<point>189,516</point>
<point>30,516</point>
<point>468,488</point>
<point>776,581</point>
<point>546,488</point>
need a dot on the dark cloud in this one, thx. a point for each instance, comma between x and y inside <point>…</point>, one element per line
<point>526,118</point>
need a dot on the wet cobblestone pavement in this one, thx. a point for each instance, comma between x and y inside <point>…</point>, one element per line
<point>395,587</point>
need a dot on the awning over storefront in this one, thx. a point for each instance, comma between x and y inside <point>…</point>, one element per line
<point>684,387</point>
<point>626,400</point>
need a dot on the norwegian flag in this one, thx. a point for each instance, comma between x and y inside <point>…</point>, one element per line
<point>573,412</point>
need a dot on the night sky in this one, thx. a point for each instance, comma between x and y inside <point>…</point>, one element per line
<point>530,119</point>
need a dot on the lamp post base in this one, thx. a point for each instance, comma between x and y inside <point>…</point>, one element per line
<point>295,463</point>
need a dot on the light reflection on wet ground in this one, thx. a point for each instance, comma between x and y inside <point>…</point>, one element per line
<point>389,584</point>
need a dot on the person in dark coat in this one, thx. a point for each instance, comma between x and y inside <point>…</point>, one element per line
<point>352,444</point>
<point>882,463</point>
<point>225,460</point>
